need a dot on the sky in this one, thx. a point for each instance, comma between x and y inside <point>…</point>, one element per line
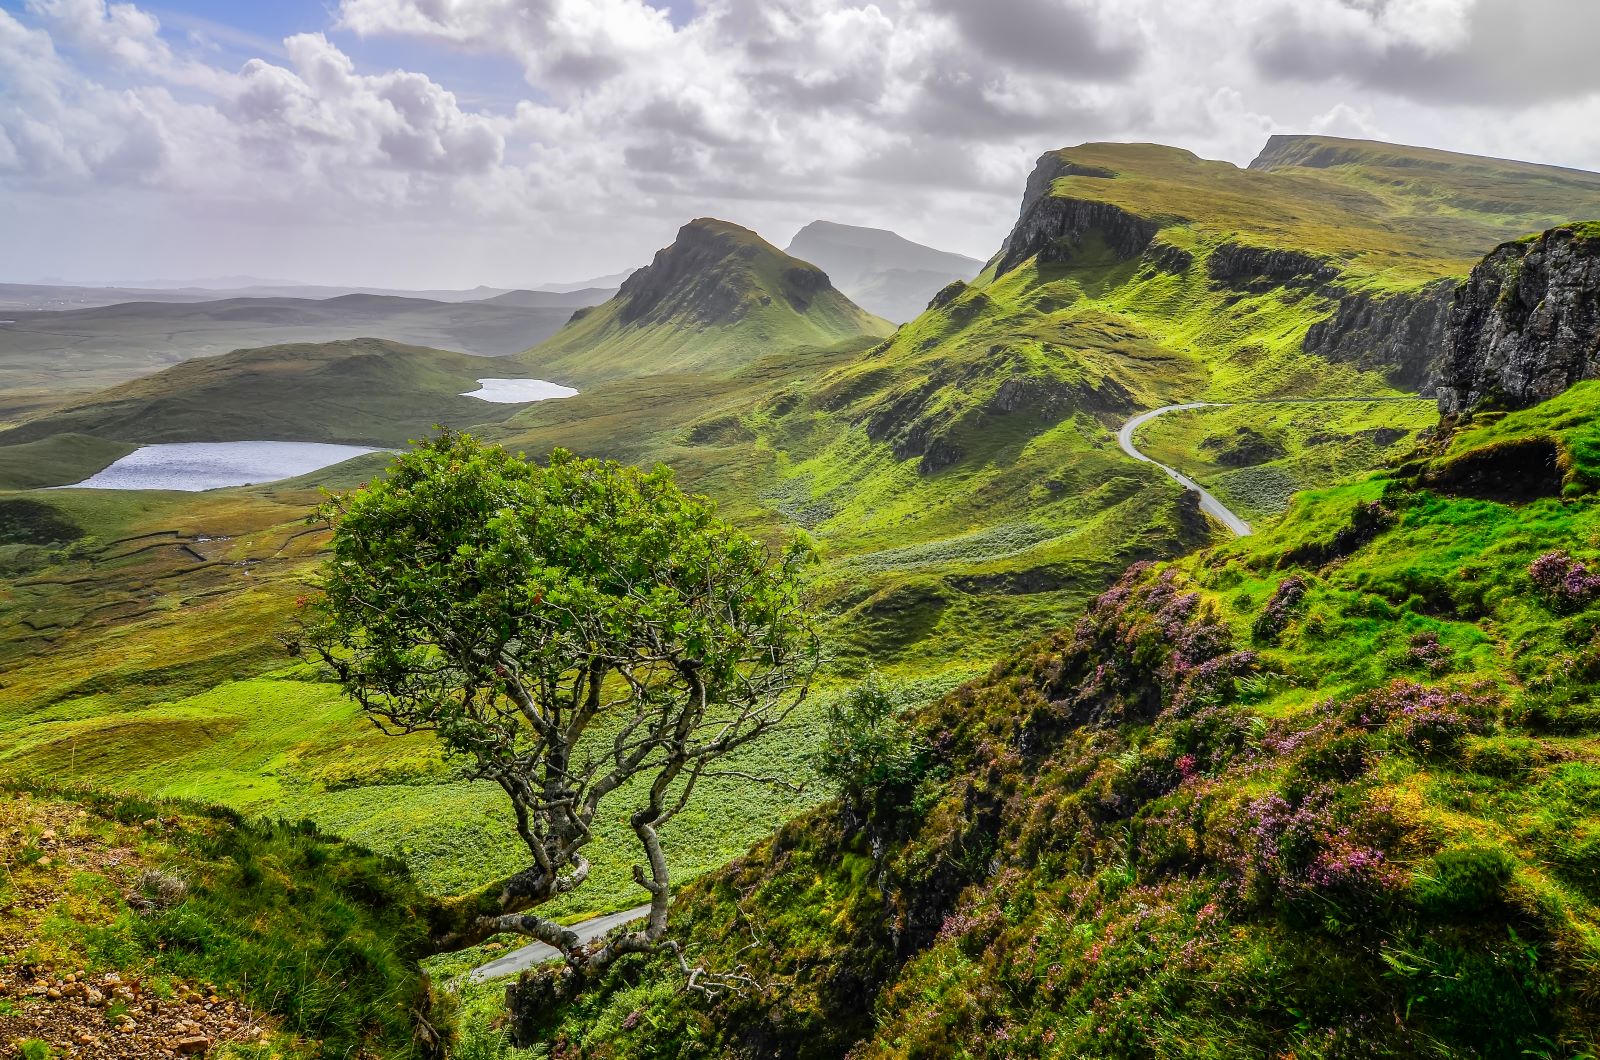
<point>452,143</point>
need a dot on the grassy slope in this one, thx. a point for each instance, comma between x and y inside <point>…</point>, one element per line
<point>57,459</point>
<point>1454,205</point>
<point>1393,216</point>
<point>360,391</point>
<point>317,937</point>
<point>1370,827</point>
<point>1256,457</point>
<point>719,297</point>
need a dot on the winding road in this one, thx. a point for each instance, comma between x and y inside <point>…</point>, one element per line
<point>537,953</point>
<point>1208,501</point>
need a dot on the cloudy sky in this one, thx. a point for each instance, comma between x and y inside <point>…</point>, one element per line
<point>510,142</point>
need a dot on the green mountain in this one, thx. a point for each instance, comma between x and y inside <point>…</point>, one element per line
<point>356,391</point>
<point>60,354</point>
<point>717,298</point>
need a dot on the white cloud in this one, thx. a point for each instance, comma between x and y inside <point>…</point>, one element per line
<point>922,115</point>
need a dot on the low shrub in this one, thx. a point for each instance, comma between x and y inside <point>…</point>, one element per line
<point>1463,880</point>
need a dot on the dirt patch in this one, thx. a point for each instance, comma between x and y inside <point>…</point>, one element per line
<point>61,864</point>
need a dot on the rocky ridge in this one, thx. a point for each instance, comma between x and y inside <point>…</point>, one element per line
<point>1054,227</point>
<point>1526,324</point>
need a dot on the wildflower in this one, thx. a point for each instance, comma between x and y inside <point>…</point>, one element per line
<point>1563,581</point>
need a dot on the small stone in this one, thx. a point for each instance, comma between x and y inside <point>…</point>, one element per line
<point>192,1045</point>
<point>53,994</point>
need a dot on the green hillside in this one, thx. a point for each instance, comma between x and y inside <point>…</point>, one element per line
<point>1331,790</point>
<point>1387,214</point>
<point>130,926</point>
<point>356,391</point>
<point>962,481</point>
<point>963,475</point>
<point>718,297</point>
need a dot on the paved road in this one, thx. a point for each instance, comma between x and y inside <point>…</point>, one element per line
<point>1208,503</point>
<point>539,952</point>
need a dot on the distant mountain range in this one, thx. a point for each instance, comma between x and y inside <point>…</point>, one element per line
<point>882,272</point>
<point>361,391</point>
<point>610,280</point>
<point>83,296</point>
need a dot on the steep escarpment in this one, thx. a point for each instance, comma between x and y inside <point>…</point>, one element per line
<point>1526,324</point>
<point>1055,228</point>
<point>720,296</point>
<point>1263,268</point>
<point>1401,335</point>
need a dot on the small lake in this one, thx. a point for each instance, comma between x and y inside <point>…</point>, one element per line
<point>195,466</point>
<point>516,391</point>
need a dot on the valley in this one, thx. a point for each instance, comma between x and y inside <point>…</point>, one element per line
<point>46,355</point>
<point>1187,413</point>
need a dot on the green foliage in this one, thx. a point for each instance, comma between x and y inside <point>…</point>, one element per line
<point>34,1049</point>
<point>540,572</point>
<point>865,747</point>
<point>1464,880</point>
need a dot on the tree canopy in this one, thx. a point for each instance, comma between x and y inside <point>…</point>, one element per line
<point>568,628</point>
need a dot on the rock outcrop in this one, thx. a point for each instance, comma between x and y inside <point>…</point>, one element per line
<point>1254,268</point>
<point>1054,227</point>
<point>1526,324</point>
<point>1400,335</point>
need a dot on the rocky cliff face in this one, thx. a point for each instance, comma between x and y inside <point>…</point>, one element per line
<point>1400,335</point>
<point>1262,268</point>
<point>1053,227</point>
<point>1526,324</point>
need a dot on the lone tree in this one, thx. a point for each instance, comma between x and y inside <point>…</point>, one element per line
<point>584,633</point>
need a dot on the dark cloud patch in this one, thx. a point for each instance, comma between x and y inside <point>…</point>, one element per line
<point>1057,37</point>
<point>955,103</point>
<point>1514,52</point>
